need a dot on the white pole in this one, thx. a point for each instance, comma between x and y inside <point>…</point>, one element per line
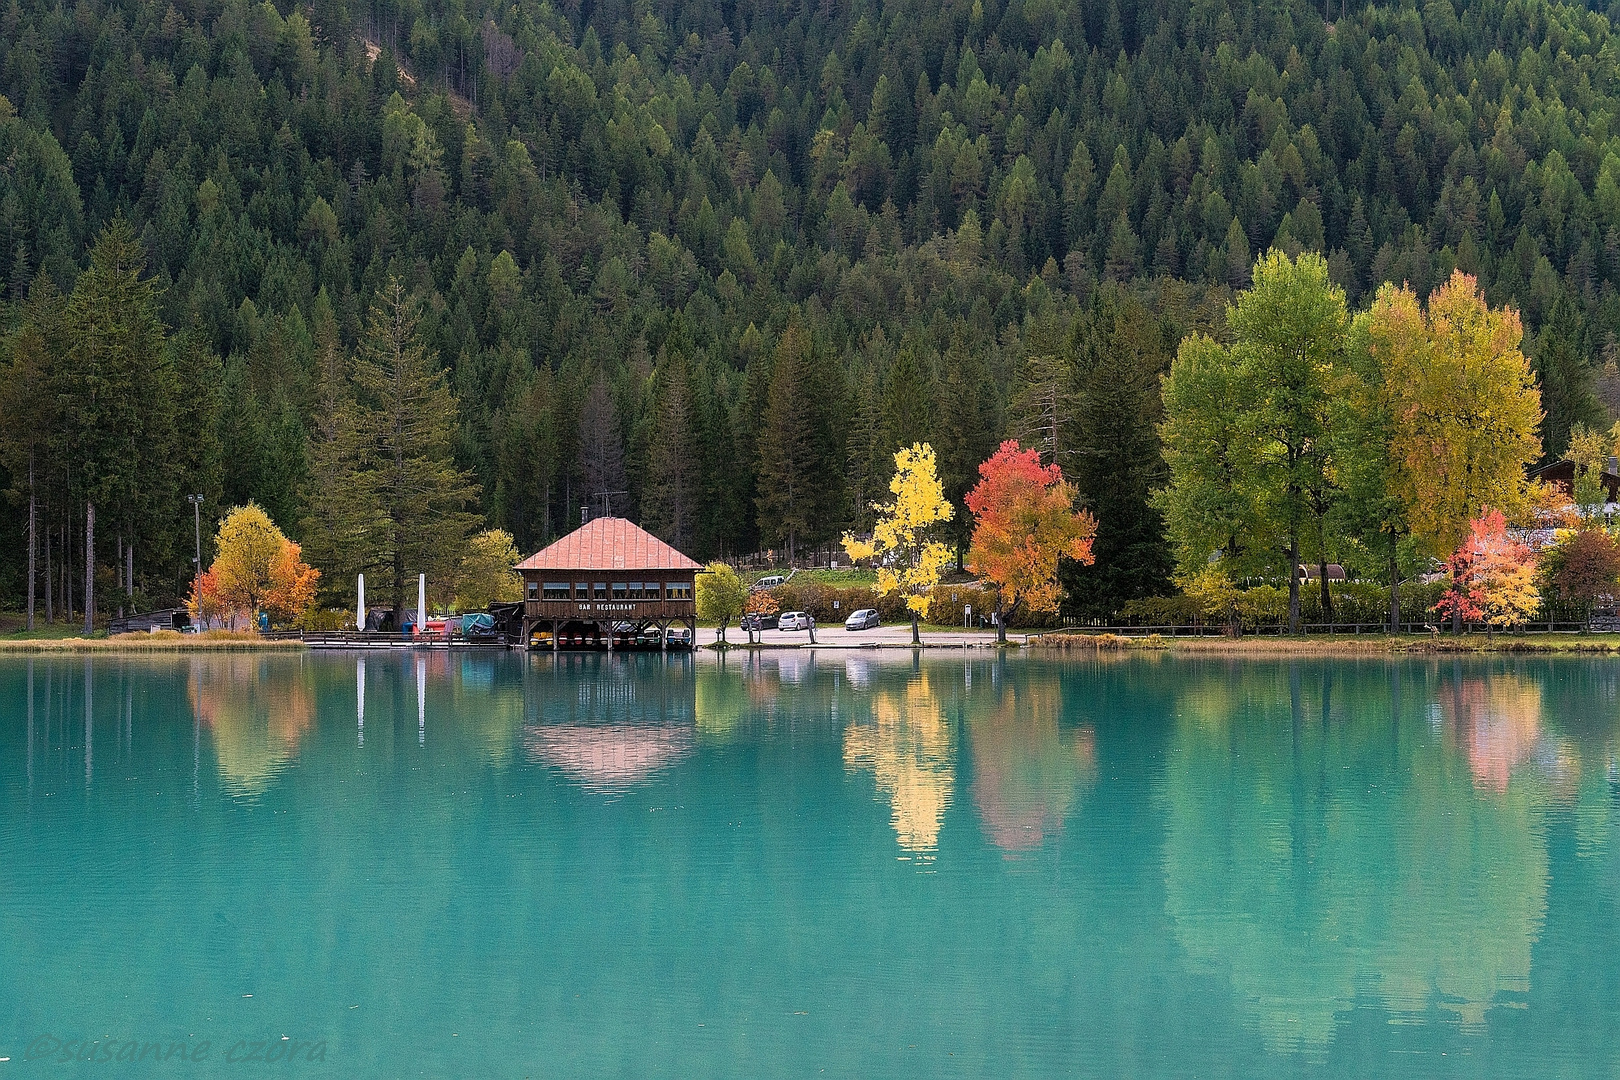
<point>421,604</point>
<point>360,613</point>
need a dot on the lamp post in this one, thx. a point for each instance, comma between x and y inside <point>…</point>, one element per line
<point>196,526</point>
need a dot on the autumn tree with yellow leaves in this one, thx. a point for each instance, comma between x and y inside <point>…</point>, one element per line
<point>256,569</point>
<point>909,560</point>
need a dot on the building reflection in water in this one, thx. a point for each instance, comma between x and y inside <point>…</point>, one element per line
<point>256,709</point>
<point>907,746</point>
<point>610,723</point>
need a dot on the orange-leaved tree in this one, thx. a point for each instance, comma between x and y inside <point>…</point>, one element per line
<point>205,604</point>
<point>1024,524</point>
<point>258,568</point>
<point>292,583</point>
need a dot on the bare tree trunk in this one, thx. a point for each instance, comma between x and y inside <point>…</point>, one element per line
<point>33,541</point>
<point>1293,586</point>
<point>916,632</point>
<point>1394,587</point>
<point>50,583</point>
<point>89,568</point>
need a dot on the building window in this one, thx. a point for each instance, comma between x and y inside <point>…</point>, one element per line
<point>651,590</point>
<point>678,590</point>
<point>635,590</point>
<point>582,590</point>
<point>534,590</point>
<point>621,591</point>
<point>600,588</point>
<point>555,590</point>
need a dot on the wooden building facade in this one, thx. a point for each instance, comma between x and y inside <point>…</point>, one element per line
<point>609,584</point>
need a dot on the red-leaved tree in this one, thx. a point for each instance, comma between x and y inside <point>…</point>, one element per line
<point>1024,524</point>
<point>1492,576</point>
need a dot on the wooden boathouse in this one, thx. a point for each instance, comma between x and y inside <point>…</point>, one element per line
<point>608,584</point>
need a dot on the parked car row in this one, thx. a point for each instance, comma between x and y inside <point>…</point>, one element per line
<point>864,619</point>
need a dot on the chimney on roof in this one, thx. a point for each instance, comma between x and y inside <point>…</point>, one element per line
<point>584,514</point>
<point>1611,465</point>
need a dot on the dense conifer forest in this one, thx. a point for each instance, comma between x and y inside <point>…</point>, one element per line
<point>722,258</point>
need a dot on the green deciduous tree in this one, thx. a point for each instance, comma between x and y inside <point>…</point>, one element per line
<point>720,596</point>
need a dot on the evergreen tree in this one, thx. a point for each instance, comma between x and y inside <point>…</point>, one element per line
<point>601,451</point>
<point>670,504</point>
<point>1563,366</point>
<point>1119,353</point>
<point>118,395</point>
<point>798,460</point>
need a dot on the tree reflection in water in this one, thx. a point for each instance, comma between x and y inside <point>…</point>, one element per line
<point>908,748</point>
<point>256,708</point>
<point>1027,771</point>
<point>1318,857</point>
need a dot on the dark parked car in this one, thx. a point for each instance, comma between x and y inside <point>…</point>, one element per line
<point>754,621</point>
<point>864,619</point>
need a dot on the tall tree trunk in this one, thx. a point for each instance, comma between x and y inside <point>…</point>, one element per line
<point>50,583</point>
<point>1293,585</point>
<point>916,632</point>
<point>89,568</point>
<point>1394,587</point>
<point>1001,621</point>
<point>1321,569</point>
<point>33,542</point>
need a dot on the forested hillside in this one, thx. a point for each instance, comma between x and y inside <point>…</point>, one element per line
<point>725,257</point>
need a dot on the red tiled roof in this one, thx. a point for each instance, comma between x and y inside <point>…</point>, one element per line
<point>609,543</point>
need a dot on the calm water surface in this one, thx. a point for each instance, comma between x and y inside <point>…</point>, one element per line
<point>795,865</point>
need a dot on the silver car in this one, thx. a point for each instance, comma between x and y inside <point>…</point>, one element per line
<point>864,619</point>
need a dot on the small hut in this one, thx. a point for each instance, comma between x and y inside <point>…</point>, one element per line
<point>608,584</point>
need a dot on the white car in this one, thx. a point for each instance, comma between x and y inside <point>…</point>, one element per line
<point>793,620</point>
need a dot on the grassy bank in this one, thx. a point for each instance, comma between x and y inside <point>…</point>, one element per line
<point>1337,644</point>
<point>212,641</point>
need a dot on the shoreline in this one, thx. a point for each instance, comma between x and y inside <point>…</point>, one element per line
<point>1337,644</point>
<point>1050,644</point>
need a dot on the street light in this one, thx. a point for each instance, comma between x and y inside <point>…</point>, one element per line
<point>196,525</point>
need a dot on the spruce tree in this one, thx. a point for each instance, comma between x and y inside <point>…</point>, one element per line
<point>1563,366</point>
<point>1119,352</point>
<point>675,481</point>
<point>407,421</point>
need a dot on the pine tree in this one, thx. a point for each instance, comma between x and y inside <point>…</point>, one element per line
<point>1563,365</point>
<point>118,396</point>
<point>1120,351</point>
<point>799,492</point>
<point>601,450</point>
<point>343,519</point>
<point>670,505</point>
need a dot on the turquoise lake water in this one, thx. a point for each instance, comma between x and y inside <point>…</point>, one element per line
<point>797,865</point>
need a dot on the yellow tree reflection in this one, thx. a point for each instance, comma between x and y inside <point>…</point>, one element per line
<point>1026,771</point>
<point>257,709</point>
<point>907,747</point>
